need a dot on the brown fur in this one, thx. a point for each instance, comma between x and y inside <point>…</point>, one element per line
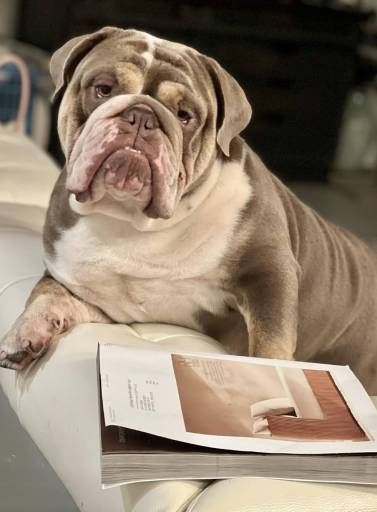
<point>59,216</point>
<point>297,285</point>
<point>297,273</point>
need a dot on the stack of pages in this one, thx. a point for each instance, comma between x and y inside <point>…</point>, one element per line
<point>172,415</point>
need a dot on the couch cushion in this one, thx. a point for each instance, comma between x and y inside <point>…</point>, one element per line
<point>56,401</point>
<point>21,259</point>
<point>263,495</point>
<point>27,174</point>
<point>22,216</point>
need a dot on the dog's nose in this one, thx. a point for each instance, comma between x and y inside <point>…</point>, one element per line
<point>140,117</point>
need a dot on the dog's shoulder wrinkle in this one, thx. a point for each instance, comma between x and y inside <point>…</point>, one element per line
<point>261,237</point>
<point>60,216</point>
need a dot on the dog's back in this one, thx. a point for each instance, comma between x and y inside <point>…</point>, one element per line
<point>337,290</point>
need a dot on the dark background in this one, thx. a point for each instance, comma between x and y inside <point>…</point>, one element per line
<point>296,61</point>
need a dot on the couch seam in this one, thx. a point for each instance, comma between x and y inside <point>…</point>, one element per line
<point>196,498</point>
<point>12,164</point>
<point>25,278</point>
<point>87,325</point>
<point>11,229</point>
<point>14,200</point>
<point>20,229</point>
<point>179,336</point>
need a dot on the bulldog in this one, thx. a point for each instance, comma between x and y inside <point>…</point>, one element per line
<point>164,214</point>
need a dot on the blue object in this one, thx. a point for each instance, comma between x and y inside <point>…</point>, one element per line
<point>10,89</point>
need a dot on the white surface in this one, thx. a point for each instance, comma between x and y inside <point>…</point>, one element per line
<point>56,402</point>
<point>27,482</point>
<point>27,174</point>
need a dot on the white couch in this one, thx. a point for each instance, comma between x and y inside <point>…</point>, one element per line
<point>55,398</point>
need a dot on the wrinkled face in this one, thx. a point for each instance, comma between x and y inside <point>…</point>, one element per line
<point>137,121</point>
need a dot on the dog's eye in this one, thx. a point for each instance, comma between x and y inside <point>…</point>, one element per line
<point>103,91</point>
<point>184,116</point>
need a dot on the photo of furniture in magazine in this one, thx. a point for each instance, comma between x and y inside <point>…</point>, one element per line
<point>231,398</point>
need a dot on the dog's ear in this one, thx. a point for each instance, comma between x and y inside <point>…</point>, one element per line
<point>65,60</point>
<point>234,111</point>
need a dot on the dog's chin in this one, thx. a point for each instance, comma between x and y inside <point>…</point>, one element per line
<point>126,173</point>
<point>128,170</point>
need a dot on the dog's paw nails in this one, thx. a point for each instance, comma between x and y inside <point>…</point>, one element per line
<point>59,324</point>
<point>28,339</point>
<point>32,351</point>
<point>5,364</point>
<point>17,357</point>
<point>14,361</point>
<point>37,345</point>
<point>37,351</point>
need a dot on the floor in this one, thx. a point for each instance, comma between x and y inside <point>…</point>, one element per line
<point>27,482</point>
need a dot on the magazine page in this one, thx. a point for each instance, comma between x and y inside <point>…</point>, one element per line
<point>237,403</point>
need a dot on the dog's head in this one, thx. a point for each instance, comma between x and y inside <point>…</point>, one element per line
<point>142,119</point>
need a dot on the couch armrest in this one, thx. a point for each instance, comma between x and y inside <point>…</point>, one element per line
<point>263,495</point>
<point>55,399</point>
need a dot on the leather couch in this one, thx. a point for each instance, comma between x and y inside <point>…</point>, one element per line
<point>55,398</point>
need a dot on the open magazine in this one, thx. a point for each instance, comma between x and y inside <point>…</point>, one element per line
<point>185,415</point>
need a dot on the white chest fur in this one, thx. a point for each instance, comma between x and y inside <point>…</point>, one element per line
<point>164,275</point>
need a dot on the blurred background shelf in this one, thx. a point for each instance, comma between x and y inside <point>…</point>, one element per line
<point>299,61</point>
<point>296,62</point>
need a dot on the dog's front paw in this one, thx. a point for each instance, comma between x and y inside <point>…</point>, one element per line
<point>30,337</point>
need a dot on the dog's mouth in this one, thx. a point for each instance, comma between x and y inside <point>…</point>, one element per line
<point>125,171</point>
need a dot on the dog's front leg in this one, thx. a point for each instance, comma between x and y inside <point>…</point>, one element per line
<point>269,304</point>
<point>50,310</point>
